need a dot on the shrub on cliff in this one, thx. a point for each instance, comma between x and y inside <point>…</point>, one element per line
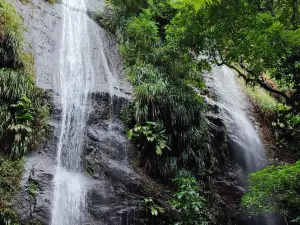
<point>275,189</point>
<point>22,116</point>
<point>161,71</point>
<point>190,203</point>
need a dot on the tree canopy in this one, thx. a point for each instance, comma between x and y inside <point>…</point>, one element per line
<point>163,44</point>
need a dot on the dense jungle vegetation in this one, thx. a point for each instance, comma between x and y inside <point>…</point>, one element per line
<point>22,114</point>
<point>163,44</point>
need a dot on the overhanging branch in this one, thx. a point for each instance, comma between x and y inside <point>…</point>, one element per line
<point>258,81</point>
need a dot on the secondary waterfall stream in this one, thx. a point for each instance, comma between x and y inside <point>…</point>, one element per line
<point>245,143</point>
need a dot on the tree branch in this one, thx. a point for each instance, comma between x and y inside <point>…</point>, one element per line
<point>266,86</point>
<point>258,81</point>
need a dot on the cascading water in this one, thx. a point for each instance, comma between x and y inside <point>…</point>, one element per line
<point>74,82</point>
<point>245,143</point>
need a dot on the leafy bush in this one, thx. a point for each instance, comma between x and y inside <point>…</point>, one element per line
<point>162,70</point>
<point>11,36</point>
<point>275,189</point>
<point>143,32</point>
<point>266,103</point>
<point>151,133</point>
<point>22,116</point>
<point>22,120</point>
<point>128,7</point>
<point>10,177</point>
<point>191,206</point>
<point>153,207</point>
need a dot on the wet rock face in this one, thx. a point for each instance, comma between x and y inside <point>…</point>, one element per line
<point>33,202</point>
<point>226,180</point>
<point>44,29</point>
<point>43,23</point>
<point>115,195</point>
<point>113,188</point>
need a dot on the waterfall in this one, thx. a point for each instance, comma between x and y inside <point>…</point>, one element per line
<point>74,84</point>
<point>245,143</point>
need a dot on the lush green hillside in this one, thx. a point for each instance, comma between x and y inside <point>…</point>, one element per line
<point>22,115</point>
<point>163,44</point>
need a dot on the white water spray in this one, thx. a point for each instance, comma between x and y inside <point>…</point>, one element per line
<point>86,66</point>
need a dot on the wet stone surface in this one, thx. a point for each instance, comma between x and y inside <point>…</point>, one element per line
<point>113,187</point>
<point>44,30</point>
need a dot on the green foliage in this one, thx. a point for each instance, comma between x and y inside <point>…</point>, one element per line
<point>34,222</point>
<point>162,71</point>
<point>179,4</point>
<point>275,189</point>
<point>142,32</point>
<point>126,113</point>
<point>256,38</point>
<point>22,120</point>
<point>52,1</point>
<point>10,177</point>
<point>32,189</point>
<point>153,207</point>
<point>127,7</point>
<point>191,206</point>
<point>180,111</point>
<point>14,84</point>
<point>263,99</point>
<point>8,217</point>
<point>11,36</point>
<point>152,133</point>
<point>286,130</point>
<point>21,126</point>
<point>22,116</point>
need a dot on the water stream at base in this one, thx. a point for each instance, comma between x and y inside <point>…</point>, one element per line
<point>245,143</point>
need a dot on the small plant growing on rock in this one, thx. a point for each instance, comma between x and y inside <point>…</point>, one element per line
<point>190,205</point>
<point>153,207</point>
<point>151,132</point>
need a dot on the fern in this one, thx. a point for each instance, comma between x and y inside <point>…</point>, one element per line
<point>22,117</point>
